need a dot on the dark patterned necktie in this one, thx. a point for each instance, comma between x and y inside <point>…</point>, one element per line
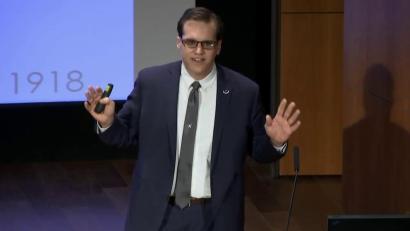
<point>184,173</point>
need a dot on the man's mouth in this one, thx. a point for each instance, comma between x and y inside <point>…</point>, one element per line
<point>198,60</point>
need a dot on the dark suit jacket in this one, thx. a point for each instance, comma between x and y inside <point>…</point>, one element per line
<point>149,120</point>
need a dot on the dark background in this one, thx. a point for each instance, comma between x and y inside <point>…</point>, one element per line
<point>65,131</point>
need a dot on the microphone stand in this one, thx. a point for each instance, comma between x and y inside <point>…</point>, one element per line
<point>296,166</point>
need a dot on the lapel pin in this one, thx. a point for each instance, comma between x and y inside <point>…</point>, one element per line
<point>226,91</point>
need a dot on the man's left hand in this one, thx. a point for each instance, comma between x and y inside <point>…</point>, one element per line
<point>285,122</point>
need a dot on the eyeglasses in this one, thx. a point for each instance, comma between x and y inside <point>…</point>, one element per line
<point>206,44</point>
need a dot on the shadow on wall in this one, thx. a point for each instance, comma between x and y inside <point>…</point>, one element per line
<point>376,170</point>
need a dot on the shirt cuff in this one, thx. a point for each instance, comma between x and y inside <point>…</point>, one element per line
<point>101,129</point>
<point>282,148</point>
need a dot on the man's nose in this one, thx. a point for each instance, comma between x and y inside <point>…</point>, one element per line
<point>199,49</point>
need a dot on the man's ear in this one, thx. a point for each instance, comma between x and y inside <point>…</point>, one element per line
<point>178,42</point>
<point>219,47</point>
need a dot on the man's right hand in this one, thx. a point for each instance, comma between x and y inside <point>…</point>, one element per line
<point>93,96</point>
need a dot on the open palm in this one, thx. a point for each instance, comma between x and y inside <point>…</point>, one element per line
<point>285,122</point>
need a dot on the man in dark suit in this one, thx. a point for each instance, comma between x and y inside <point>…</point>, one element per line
<point>193,122</point>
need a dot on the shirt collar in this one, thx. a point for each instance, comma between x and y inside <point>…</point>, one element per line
<point>205,82</point>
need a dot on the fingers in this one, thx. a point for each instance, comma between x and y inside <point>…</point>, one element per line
<point>87,106</point>
<point>90,106</point>
<point>289,110</point>
<point>269,120</point>
<point>281,108</point>
<point>294,117</point>
<point>289,113</point>
<point>99,91</point>
<point>295,127</point>
<point>105,100</point>
<point>93,94</point>
<point>89,98</point>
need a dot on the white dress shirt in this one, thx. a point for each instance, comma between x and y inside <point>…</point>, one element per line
<point>201,164</point>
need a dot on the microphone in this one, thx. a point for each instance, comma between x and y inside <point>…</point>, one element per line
<point>296,165</point>
<point>107,92</point>
<point>296,162</point>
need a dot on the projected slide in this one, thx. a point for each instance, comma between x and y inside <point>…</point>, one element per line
<point>51,51</point>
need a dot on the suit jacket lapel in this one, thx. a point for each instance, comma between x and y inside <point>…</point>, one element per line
<point>223,94</point>
<point>171,96</point>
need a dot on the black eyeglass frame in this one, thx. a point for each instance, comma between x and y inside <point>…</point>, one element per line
<point>205,44</point>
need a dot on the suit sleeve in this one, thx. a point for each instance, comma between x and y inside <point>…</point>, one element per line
<point>262,148</point>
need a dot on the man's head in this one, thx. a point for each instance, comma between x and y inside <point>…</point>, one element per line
<point>199,40</point>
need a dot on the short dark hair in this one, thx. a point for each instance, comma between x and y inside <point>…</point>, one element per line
<point>200,14</point>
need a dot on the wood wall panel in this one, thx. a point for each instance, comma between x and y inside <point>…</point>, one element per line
<point>376,102</point>
<point>312,6</point>
<point>311,75</point>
